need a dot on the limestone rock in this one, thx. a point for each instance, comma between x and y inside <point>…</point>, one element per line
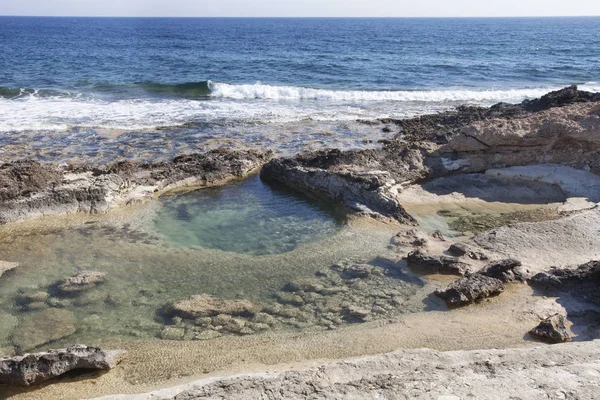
<point>506,270</point>
<point>172,333</point>
<point>81,282</point>
<point>470,289</point>
<point>38,328</point>
<point>437,264</point>
<point>464,249</point>
<point>207,335</point>
<point>31,369</point>
<point>552,330</point>
<point>203,305</point>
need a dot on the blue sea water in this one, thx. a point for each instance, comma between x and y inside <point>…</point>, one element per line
<point>222,78</point>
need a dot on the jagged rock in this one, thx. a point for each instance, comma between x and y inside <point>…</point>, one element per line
<point>81,282</point>
<point>410,237</point>
<point>203,305</point>
<point>464,249</point>
<point>437,264</point>
<point>38,328</point>
<point>31,369</point>
<point>552,330</point>
<point>469,289</point>
<point>507,270</point>
<point>6,266</point>
<point>588,272</point>
<point>559,98</point>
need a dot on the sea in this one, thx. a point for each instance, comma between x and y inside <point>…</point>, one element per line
<point>101,89</point>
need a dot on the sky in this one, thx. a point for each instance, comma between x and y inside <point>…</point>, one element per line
<point>301,8</point>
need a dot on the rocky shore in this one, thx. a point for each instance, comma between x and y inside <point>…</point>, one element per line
<point>537,162</point>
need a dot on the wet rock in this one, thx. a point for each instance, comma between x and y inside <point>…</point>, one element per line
<point>81,282</point>
<point>264,318</point>
<point>31,369</point>
<point>6,266</point>
<point>507,271</point>
<point>469,289</point>
<point>437,264</point>
<point>38,328</point>
<point>559,98</point>
<point>235,325</point>
<point>90,298</point>
<point>172,333</point>
<point>464,249</point>
<point>552,330</point>
<point>203,305</point>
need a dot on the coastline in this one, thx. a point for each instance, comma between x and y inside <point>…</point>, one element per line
<point>545,144</point>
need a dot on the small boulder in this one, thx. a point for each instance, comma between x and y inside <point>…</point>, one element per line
<point>172,333</point>
<point>207,335</point>
<point>203,305</point>
<point>31,369</point>
<point>552,330</point>
<point>437,264</point>
<point>305,285</point>
<point>81,282</point>
<point>470,289</point>
<point>353,312</point>
<point>357,271</point>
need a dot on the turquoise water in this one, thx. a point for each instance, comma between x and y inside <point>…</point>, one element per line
<point>248,217</point>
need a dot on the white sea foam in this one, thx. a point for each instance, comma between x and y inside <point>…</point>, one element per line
<point>241,103</point>
<point>268,92</point>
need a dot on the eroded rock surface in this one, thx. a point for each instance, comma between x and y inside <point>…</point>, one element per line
<point>561,128</point>
<point>32,369</point>
<point>29,189</point>
<point>437,264</point>
<point>527,373</point>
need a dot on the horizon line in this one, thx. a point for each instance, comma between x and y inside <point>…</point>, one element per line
<point>299,17</point>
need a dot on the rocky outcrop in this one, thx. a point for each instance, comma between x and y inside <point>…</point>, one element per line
<point>32,369</point>
<point>470,289</point>
<point>560,128</point>
<point>552,330</point>
<point>560,277</point>
<point>467,250</point>
<point>437,264</point>
<point>367,192</point>
<point>29,189</point>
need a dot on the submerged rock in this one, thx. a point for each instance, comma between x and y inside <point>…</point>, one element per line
<point>552,330</point>
<point>81,282</point>
<point>38,328</point>
<point>203,305</point>
<point>437,264</point>
<point>470,289</point>
<point>31,369</point>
